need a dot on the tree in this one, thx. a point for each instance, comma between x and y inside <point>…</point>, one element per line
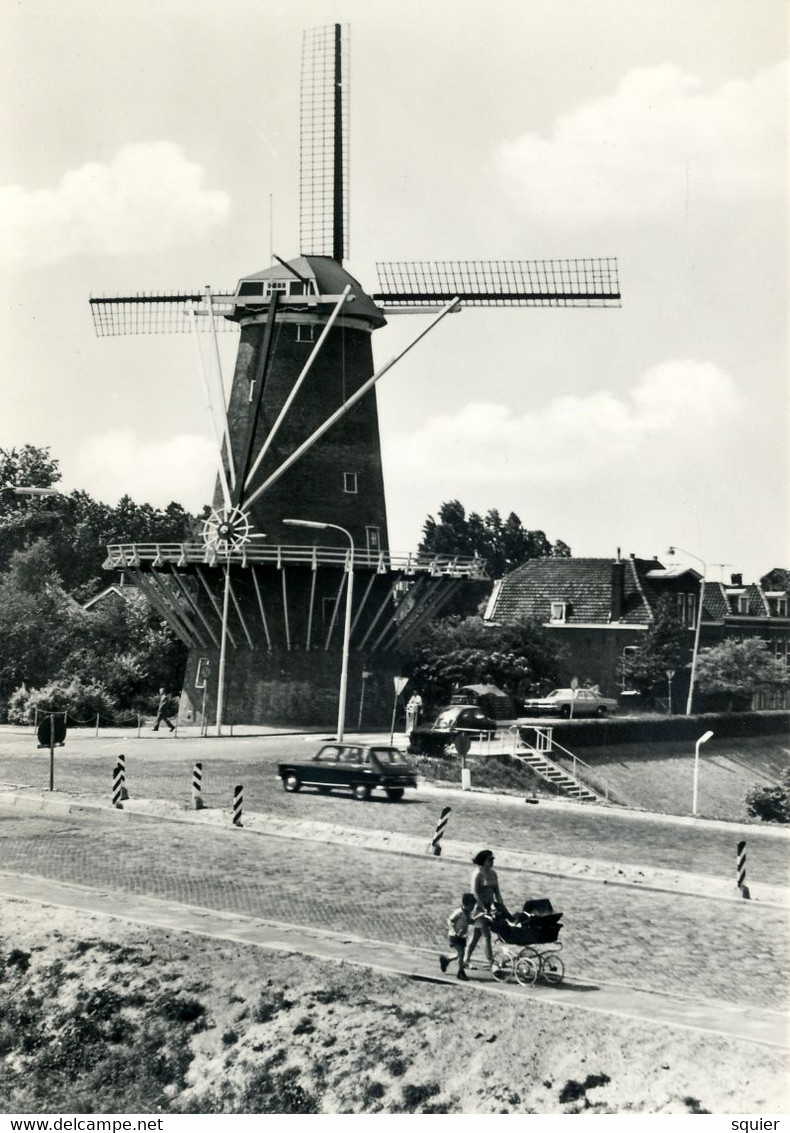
<point>502,545</point>
<point>738,668</point>
<point>666,648</point>
<point>460,651</point>
<point>771,804</point>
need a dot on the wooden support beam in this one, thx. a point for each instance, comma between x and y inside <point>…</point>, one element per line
<point>214,603</point>
<point>239,614</point>
<point>193,605</point>
<point>261,608</point>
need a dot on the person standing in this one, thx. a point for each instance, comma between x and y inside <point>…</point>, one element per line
<point>163,711</point>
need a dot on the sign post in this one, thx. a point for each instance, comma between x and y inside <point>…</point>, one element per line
<point>400,684</point>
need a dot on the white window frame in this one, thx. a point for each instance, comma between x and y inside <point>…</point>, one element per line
<point>305,332</point>
<point>559,612</point>
<point>350,483</point>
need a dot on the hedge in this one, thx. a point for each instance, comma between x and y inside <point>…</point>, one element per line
<point>667,729</point>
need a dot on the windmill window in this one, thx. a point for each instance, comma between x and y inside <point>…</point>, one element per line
<point>251,289</point>
<point>305,332</point>
<point>559,611</point>
<point>372,536</point>
<point>350,483</point>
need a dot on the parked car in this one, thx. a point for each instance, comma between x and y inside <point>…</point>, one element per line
<point>358,767</point>
<point>570,702</point>
<point>456,726</point>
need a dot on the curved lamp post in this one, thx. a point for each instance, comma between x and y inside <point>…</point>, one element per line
<point>341,707</point>
<point>695,651</point>
<point>702,740</point>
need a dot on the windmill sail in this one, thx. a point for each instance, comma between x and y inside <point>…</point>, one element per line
<point>150,312</point>
<point>323,148</point>
<point>499,283</point>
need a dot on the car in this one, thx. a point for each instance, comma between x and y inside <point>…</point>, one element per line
<point>456,726</point>
<point>359,767</point>
<point>570,702</point>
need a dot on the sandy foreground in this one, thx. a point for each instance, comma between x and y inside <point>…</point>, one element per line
<point>97,1015</point>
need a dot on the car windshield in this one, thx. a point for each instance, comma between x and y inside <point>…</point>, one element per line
<point>388,755</point>
<point>446,718</point>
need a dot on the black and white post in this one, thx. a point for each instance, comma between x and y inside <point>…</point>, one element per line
<point>435,846</point>
<point>197,787</point>
<point>238,793</point>
<point>741,871</point>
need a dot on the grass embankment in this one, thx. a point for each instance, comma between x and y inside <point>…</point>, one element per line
<point>100,1017</point>
<point>647,776</point>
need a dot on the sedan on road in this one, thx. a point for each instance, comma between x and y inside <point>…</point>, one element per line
<point>359,768</point>
<point>457,725</point>
<point>567,702</point>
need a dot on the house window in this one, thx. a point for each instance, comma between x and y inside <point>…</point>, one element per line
<point>559,611</point>
<point>687,609</point>
<point>626,678</point>
<point>778,606</point>
<point>350,483</point>
<point>743,603</point>
<point>305,332</point>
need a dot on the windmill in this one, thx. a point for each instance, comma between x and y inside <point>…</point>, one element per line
<point>299,438</point>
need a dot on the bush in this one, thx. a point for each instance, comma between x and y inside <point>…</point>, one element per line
<point>82,702</point>
<point>771,804</point>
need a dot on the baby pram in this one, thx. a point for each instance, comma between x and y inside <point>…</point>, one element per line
<point>528,945</point>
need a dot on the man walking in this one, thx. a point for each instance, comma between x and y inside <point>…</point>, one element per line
<point>162,712</point>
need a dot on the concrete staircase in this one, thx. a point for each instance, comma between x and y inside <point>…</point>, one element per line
<point>534,756</point>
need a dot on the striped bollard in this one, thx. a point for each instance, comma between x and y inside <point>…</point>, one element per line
<point>435,847</point>
<point>741,868</point>
<point>122,766</point>
<point>237,804</point>
<point>197,786</point>
<point>117,786</point>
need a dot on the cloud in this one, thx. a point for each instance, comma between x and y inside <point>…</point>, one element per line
<point>658,141</point>
<point>118,463</point>
<point>149,198</point>
<point>677,407</point>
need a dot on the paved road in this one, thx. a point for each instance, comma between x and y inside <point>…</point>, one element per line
<point>736,952</point>
<point>161,767</point>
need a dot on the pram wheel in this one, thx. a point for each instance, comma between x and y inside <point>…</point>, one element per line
<point>552,968</point>
<point>502,967</point>
<point>526,968</point>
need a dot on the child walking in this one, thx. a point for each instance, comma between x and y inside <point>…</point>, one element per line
<point>457,928</point>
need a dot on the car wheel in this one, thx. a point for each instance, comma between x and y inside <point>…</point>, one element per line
<point>292,782</point>
<point>565,711</point>
<point>395,794</point>
<point>361,792</point>
<point>462,743</point>
<point>600,710</point>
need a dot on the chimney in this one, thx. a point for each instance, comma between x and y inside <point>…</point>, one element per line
<point>618,590</point>
<point>736,580</point>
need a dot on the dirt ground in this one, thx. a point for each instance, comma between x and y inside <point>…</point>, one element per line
<point>97,1016</point>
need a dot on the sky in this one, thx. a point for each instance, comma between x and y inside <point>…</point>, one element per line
<point>150,144</point>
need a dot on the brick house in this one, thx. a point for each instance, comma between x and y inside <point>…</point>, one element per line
<point>599,609</point>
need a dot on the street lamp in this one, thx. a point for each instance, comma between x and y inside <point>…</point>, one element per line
<point>702,740</point>
<point>695,651</point>
<point>341,707</point>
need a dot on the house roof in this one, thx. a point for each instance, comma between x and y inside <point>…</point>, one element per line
<point>585,585</point>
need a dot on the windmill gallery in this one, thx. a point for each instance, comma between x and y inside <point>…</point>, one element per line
<point>298,530</point>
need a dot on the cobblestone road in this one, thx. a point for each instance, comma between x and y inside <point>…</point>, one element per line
<point>691,946</point>
<point>161,768</point>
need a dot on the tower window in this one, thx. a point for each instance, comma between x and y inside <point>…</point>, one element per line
<point>350,483</point>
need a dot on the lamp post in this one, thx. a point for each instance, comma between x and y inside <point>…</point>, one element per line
<point>341,707</point>
<point>698,627</point>
<point>702,740</point>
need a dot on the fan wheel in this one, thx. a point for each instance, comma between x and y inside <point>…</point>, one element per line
<point>227,530</point>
